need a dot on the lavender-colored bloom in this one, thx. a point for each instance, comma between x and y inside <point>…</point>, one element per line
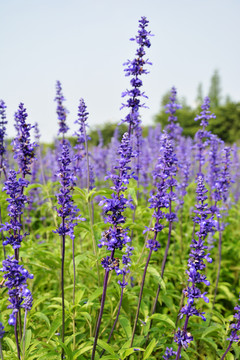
<point>3,122</point>
<point>61,110</point>
<point>202,133</point>
<point>173,128</point>
<point>184,151</point>
<point>164,176</point>
<point>16,201</point>
<point>196,264</point>
<point>22,146</point>
<point>169,353</point>
<point>67,210</point>
<point>16,281</point>
<point>236,173</point>
<point>116,237</point>
<point>136,68</point>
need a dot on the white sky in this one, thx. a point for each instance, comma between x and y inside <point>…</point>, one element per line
<point>83,43</point>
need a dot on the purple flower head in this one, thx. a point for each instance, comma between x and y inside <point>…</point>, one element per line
<point>61,110</point>
<point>22,146</point>
<point>183,338</point>
<point>16,201</point>
<point>204,221</point>
<point>173,128</point>
<point>136,68</point>
<point>67,211</point>
<point>16,278</point>
<point>202,133</point>
<point>169,354</point>
<point>3,122</point>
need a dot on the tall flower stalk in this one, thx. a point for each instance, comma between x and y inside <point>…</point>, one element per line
<point>3,122</point>
<point>196,265</point>
<point>164,176</point>
<point>61,110</point>
<point>68,214</point>
<point>116,237</point>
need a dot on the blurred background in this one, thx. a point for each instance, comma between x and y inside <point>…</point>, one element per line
<point>84,43</point>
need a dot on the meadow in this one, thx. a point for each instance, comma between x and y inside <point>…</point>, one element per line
<point>121,251</point>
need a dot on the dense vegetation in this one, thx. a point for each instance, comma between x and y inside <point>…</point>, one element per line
<point>122,250</point>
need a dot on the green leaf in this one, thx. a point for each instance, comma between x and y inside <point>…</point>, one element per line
<point>81,351</point>
<point>10,344</point>
<point>125,323</point>
<point>211,330</point>
<point>130,351</point>
<point>55,326</point>
<point>107,347</point>
<point>149,349</point>
<point>157,276</point>
<point>28,338</point>
<point>163,318</point>
<point>43,317</point>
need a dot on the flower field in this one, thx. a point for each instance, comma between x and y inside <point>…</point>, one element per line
<point>128,250</point>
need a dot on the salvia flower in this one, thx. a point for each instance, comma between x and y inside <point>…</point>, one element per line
<point>16,281</point>
<point>173,128</point>
<point>66,210</point>
<point>61,110</point>
<point>169,354</point>
<point>116,237</point>
<point>22,146</point>
<point>204,220</point>
<point>202,134</point>
<point>164,176</point>
<point>3,122</point>
<point>135,68</point>
<point>16,201</point>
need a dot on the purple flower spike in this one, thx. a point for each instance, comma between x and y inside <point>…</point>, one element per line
<point>173,128</point>
<point>22,146</point>
<point>136,68</point>
<point>16,201</point>
<point>61,110</point>
<point>204,220</point>
<point>16,281</point>
<point>3,122</point>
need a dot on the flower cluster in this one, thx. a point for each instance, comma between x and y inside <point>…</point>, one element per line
<point>202,133</point>
<point>169,353</point>
<point>235,326</point>
<point>67,211</point>
<point>184,162</point>
<point>173,128</point>
<point>82,164</point>
<point>163,174</point>
<point>16,281</point>
<point>23,148</point>
<point>136,68</point>
<point>3,122</point>
<point>116,237</point>
<point>196,262</point>
<point>16,201</point>
<point>61,110</point>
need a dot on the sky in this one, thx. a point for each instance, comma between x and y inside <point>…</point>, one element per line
<point>84,43</point>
